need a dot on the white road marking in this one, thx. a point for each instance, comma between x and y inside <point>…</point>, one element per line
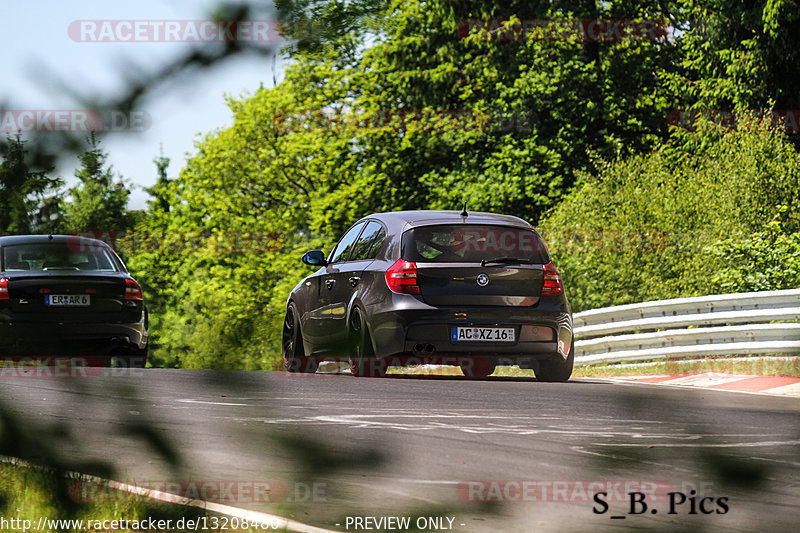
<point>209,403</point>
<point>427,481</point>
<point>787,390</point>
<point>715,382</point>
<point>781,461</point>
<point>704,445</point>
<point>488,423</point>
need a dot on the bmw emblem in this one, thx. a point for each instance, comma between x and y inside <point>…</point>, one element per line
<point>483,280</point>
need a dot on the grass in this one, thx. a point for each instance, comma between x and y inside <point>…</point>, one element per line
<point>753,366</point>
<point>29,493</point>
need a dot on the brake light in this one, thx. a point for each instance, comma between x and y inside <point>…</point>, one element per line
<point>552,281</point>
<point>402,277</point>
<point>132,290</point>
<point>3,289</point>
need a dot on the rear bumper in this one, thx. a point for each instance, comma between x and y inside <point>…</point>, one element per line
<point>38,337</point>
<point>414,328</point>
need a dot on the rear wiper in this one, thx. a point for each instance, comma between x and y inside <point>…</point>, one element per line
<point>506,261</point>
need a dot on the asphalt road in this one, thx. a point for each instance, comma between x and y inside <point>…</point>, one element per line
<point>333,446</point>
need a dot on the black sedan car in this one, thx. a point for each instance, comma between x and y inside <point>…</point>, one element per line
<point>475,290</point>
<point>68,295</point>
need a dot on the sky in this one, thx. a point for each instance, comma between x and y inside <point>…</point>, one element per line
<point>41,42</point>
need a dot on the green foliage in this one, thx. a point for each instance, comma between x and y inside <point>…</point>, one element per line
<point>99,203</point>
<point>532,112</point>
<point>28,492</point>
<point>319,26</point>
<point>675,223</point>
<point>219,265</point>
<point>741,54</point>
<point>765,261</point>
<point>388,106</point>
<point>26,197</point>
<point>159,191</point>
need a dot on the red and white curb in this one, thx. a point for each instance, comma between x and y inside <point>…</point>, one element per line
<point>773,385</point>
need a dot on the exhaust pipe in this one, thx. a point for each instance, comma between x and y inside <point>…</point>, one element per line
<point>424,349</point>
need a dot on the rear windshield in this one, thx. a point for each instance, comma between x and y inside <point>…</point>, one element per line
<point>472,243</point>
<point>57,256</point>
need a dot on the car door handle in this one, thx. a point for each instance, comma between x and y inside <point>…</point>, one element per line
<point>354,281</point>
<point>329,283</point>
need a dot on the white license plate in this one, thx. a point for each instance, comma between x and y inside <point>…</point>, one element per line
<point>472,334</point>
<point>67,300</point>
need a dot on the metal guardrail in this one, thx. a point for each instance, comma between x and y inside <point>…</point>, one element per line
<point>686,327</point>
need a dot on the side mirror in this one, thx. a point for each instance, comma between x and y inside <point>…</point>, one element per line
<point>314,258</point>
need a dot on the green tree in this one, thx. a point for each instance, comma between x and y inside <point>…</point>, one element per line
<point>48,213</point>
<point>722,217</point>
<point>217,267</point>
<point>25,199</point>
<point>741,54</point>
<point>159,190</point>
<point>99,202</point>
<point>531,112</point>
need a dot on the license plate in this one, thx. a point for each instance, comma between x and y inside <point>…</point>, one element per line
<point>472,334</point>
<point>67,300</point>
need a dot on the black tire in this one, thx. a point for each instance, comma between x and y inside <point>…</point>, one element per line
<point>556,368</point>
<point>477,367</point>
<point>140,359</point>
<point>294,358</point>
<point>362,360</point>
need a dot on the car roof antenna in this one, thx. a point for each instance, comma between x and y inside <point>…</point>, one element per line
<point>464,212</point>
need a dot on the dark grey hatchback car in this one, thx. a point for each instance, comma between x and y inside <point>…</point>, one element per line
<point>476,290</point>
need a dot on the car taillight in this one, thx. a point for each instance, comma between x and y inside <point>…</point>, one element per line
<point>132,290</point>
<point>552,281</point>
<point>402,277</point>
<point>3,289</point>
